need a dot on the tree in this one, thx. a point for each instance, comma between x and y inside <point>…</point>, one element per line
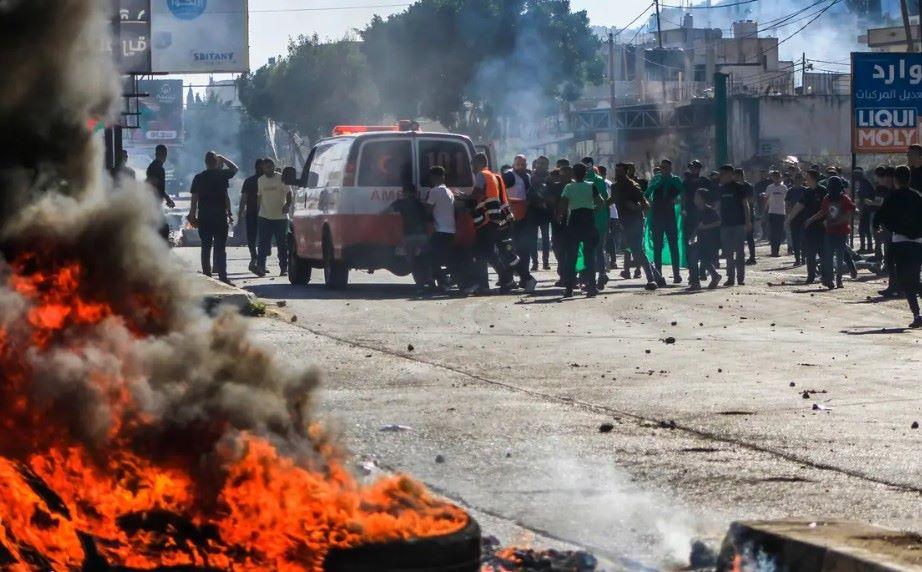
<point>317,86</point>
<point>471,63</point>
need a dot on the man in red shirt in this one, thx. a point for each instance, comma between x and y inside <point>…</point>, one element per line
<point>836,212</point>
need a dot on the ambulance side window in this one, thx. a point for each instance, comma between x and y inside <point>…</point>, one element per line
<point>317,177</point>
<point>385,164</point>
<point>452,155</point>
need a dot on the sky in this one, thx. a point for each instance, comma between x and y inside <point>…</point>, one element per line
<point>272,22</point>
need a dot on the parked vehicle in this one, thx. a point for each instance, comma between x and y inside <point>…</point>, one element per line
<point>341,220</point>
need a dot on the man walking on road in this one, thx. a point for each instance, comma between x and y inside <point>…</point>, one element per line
<point>735,224</point>
<point>156,177</point>
<point>249,208</point>
<point>274,203</point>
<point>211,213</point>
<point>775,194</point>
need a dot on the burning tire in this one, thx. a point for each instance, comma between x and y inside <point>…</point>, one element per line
<point>456,552</point>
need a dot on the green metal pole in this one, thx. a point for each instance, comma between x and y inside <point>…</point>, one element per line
<point>721,145</point>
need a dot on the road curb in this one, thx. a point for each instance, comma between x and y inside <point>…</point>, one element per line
<point>214,293</point>
<point>814,546</point>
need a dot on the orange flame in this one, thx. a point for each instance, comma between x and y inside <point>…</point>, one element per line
<point>268,511</point>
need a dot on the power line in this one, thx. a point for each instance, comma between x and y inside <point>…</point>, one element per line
<point>699,7</point>
<point>631,23</point>
<point>329,8</point>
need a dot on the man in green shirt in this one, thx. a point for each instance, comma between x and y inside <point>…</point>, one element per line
<point>577,206</point>
<point>663,193</point>
<point>601,225</point>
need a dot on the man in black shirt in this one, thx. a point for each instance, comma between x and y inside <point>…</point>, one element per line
<point>814,235</point>
<point>865,195</point>
<point>914,158</point>
<point>156,177</point>
<point>663,192</point>
<point>632,208</point>
<point>755,196</point>
<point>556,181</point>
<point>791,199</point>
<point>249,208</point>
<point>735,224</point>
<point>211,211</point>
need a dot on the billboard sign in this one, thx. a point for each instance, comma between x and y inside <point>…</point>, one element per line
<point>160,111</point>
<point>132,44</point>
<point>199,36</point>
<point>886,102</point>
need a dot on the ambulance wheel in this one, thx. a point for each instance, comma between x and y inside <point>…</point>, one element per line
<point>335,272</point>
<point>299,269</point>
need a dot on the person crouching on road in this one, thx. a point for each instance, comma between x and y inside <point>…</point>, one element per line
<point>274,203</point>
<point>577,205</point>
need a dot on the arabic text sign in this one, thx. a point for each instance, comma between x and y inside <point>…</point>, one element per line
<point>199,36</point>
<point>161,114</point>
<point>886,102</point>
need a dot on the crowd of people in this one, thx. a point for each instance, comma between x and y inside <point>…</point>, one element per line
<point>589,220</point>
<point>696,222</point>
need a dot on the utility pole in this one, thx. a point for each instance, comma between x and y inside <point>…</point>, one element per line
<point>721,143</point>
<point>659,41</point>
<point>611,86</point>
<point>803,73</point>
<point>659,29</point>
<point>910,44</point>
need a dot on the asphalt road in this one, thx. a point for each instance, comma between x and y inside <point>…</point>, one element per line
<point>511,391</point>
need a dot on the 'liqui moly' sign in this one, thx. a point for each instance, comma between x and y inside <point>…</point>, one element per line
<point>886,101</point>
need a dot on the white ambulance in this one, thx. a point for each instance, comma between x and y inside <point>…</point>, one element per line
<point>340,220</point>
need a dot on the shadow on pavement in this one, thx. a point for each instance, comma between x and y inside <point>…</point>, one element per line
<point>353,292</point>
<point>875,331</point>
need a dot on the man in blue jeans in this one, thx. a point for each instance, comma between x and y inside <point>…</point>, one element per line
<point>211,213</point>
<point>836,212</point>
<point>274,203</point>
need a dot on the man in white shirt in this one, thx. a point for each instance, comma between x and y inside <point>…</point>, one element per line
<point>274,198</point>
<point>441,205</point>
<point>775,194</point>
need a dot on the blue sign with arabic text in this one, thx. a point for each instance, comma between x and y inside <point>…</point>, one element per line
<point>886,102</point>
<point>187,9</point>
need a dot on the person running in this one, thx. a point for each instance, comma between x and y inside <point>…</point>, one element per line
<point>835,212</point>
<point>632,209</point>
<point>274,204</point>
<point>901,214</point>
<point>156,178</point>
<point>577,205</point>
<point>795,227</point>
<point>440,204</point>
<point>248,210</point>
<point>775,194</point>
<point>210,212</point>
<point>704,224</point>
<point>662,193</point>
<point>735,224</point>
